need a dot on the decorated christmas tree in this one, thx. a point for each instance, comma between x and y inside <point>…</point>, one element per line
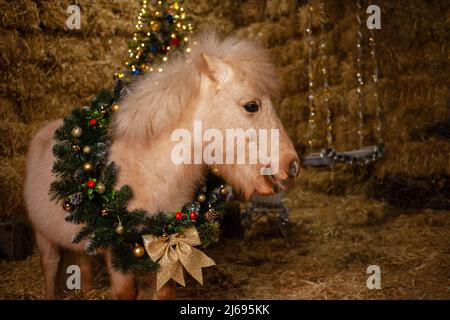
<point>162,28</point>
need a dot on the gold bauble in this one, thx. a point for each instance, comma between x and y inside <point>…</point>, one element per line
<point>223,191</point>
<point>77,132</point>
<point>101,187</point>
<point>87,166</point>
<point>115,107</point>
<point>138,251</point>
<point>215,171</point>
<point>76,148</point>
<point>105,212</point>
<point>67,206</point>
<point>201,197</point>
<point>156,26</point>
<point>87,149</point>
<point>120,229</point>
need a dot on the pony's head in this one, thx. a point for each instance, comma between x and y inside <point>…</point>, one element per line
<point>225,87</point>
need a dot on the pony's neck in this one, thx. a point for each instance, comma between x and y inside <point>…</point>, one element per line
<point>158,184</point>
<point>142,147</point>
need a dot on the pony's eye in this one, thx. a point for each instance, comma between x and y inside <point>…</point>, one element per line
<point>251,107</point>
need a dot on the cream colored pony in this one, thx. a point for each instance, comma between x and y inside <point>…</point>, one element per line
<point>224,83</point>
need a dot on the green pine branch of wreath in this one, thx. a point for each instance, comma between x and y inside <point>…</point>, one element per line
<point>85,184</point>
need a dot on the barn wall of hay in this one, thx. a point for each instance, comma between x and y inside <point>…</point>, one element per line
<point>47,69</point>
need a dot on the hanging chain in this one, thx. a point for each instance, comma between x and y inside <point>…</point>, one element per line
<point>378,125</point>
<point>311,106</point>
<point>324,67</point>
<point>359,76</point>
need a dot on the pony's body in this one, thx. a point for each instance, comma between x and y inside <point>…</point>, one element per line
<point>164,190</point>
<point>211,86</point>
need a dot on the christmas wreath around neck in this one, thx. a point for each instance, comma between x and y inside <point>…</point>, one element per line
<point>85,184</point>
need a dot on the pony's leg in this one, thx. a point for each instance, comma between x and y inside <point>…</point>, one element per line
<point>123,286</point>
<point>84,262</point>
<point>50,257</point>
<point>166,292</point>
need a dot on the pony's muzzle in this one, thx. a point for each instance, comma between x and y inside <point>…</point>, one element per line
<point>286,178</point>
<point>293,168</point>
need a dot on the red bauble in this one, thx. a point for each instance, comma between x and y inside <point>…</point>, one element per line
<point>90,184</point>
<point>174,41</point>
<point>193,215</point>
<point>93,122</point>
<point>179,215</point>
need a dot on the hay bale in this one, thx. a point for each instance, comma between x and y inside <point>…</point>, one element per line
<point>12,175</point>
<point>19,15</point>
<point>14,138</point>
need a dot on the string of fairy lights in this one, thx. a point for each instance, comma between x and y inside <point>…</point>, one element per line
<point>359,77</point>
<point>324,67</point>
<point>311,104</point>
<point>162,27</point>
<point>378,124</point>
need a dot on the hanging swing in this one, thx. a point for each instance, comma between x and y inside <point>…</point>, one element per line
<point>328,156</point>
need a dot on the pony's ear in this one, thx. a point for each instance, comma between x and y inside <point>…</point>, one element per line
<point>215,68</point>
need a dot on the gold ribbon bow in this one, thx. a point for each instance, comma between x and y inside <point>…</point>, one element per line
<point>174,252</point>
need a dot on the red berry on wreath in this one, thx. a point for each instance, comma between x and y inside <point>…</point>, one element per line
<point>193,215</point>
<point>93,122</point>
<point>90,184</point>
<point>179,215</point>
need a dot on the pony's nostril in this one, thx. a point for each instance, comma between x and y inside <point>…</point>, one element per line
<point>293,168</point>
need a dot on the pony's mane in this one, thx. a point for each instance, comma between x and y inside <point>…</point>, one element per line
<point>160,98</point>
